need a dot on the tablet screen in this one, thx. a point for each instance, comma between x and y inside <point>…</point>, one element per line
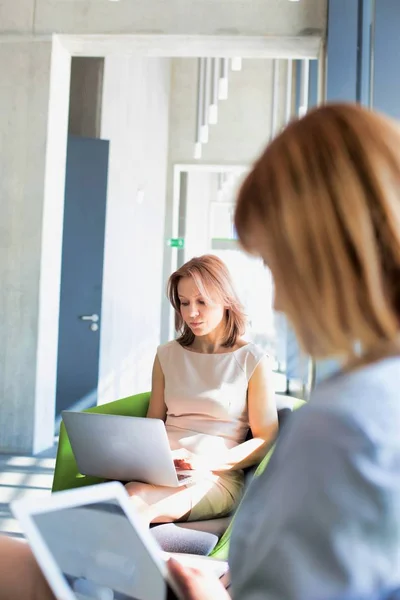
<point>100,554</point>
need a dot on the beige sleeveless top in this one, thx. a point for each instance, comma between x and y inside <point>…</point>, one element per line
<point>206,396</point>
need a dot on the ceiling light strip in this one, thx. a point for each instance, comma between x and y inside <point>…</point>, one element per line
<point>275,97</point>
<point>200,104</point>
<point>223,79</point>
<point>304,87</point>
<point>289,90</point>
<point>206,101</point>
<point>213,111</point>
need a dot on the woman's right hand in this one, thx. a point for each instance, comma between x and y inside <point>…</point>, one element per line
<point>182,460</point>
<point>195,584</point>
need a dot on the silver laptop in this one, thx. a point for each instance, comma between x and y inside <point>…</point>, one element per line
<point>122,448</point>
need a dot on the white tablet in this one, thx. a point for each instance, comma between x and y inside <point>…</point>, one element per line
<point>90,544</point>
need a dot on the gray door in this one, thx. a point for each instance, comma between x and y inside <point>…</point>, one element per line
<point>82,273</point>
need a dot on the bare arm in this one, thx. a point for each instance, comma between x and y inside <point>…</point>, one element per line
<point>263,420</point>
<point>157,408</point>
<point>20,575</point>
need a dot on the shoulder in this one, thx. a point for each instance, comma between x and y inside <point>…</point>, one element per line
<point>367,396</point>
<point>315,424</point>
<point>329,449</point>
<point>249,355</point>
<point>164,351</point>
<point>162,348</point>
<point>327,456</point>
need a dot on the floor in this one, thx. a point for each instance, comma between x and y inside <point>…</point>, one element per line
<point>23,476</point>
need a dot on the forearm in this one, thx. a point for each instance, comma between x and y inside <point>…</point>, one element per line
<point>244,455</point>
<point>20,575</point>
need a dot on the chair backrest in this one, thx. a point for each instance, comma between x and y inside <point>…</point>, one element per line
<point>66,474</point>
<point>249,473</point>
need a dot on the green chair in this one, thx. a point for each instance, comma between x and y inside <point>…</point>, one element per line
<point>66,474</point>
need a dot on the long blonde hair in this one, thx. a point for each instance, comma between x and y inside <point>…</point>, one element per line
<point>324,199</point>
<point>210,275</point>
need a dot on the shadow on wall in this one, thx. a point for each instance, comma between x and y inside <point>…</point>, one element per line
<point>132,377</point>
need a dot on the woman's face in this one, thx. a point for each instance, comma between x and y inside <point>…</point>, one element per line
<point>202,315</point>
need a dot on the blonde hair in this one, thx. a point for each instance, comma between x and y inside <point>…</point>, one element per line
<point>325,199</point>
<point>210,275</point>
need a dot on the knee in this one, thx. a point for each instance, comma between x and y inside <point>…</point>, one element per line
<point>136,488</point>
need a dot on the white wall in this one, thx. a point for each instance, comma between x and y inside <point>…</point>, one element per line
<point>201,189</point>
<point>135,120</point>
<point>273,17</point>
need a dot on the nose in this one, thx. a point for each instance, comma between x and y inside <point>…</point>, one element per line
<point>194,311</point>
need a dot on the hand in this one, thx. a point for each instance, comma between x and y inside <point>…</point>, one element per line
<point>182,459</point>
<point>195,584</point>
<point>187,461</point>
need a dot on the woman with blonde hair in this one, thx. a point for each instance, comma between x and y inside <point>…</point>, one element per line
<point>210,387</point>
<point>322,208</point>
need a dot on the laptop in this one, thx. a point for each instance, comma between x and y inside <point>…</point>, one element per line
<point>123,448</point>
<point>90,544</point>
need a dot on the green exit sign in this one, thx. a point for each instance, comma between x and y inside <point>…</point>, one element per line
<point>176,243</point>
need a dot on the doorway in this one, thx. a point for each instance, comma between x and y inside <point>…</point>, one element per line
<point>81,273</point>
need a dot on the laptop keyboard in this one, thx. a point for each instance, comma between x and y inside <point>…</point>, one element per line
<point>185,477</point>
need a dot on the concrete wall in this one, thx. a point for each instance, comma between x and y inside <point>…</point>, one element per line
<point>243,126</point>
<point>135,120</point>
<point>33,96</point>
<point>273,17</point>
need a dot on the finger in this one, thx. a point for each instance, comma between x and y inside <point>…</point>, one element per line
<point>183,576</point>
<point>186,571</point>
<point>182,464</point>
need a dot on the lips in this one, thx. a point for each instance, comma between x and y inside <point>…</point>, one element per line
<point>195,324</point>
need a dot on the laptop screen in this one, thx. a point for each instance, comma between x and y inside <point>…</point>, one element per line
<point>100,554</point>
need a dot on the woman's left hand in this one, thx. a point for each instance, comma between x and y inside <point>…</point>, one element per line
<point>195,584</point>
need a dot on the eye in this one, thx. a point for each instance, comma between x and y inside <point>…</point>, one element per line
<point>201,302</point>
<point>184,303</point>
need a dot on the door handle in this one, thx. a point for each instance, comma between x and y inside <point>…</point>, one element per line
<point>93,318</point>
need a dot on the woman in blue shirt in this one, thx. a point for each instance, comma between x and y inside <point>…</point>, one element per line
<point>322,208</point>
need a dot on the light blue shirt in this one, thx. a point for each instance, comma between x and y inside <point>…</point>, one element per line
<point>323,521</point>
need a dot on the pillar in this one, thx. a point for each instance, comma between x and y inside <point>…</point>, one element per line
<point>33,126</point>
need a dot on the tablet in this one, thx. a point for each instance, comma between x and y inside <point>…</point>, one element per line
<point>90,544</point>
